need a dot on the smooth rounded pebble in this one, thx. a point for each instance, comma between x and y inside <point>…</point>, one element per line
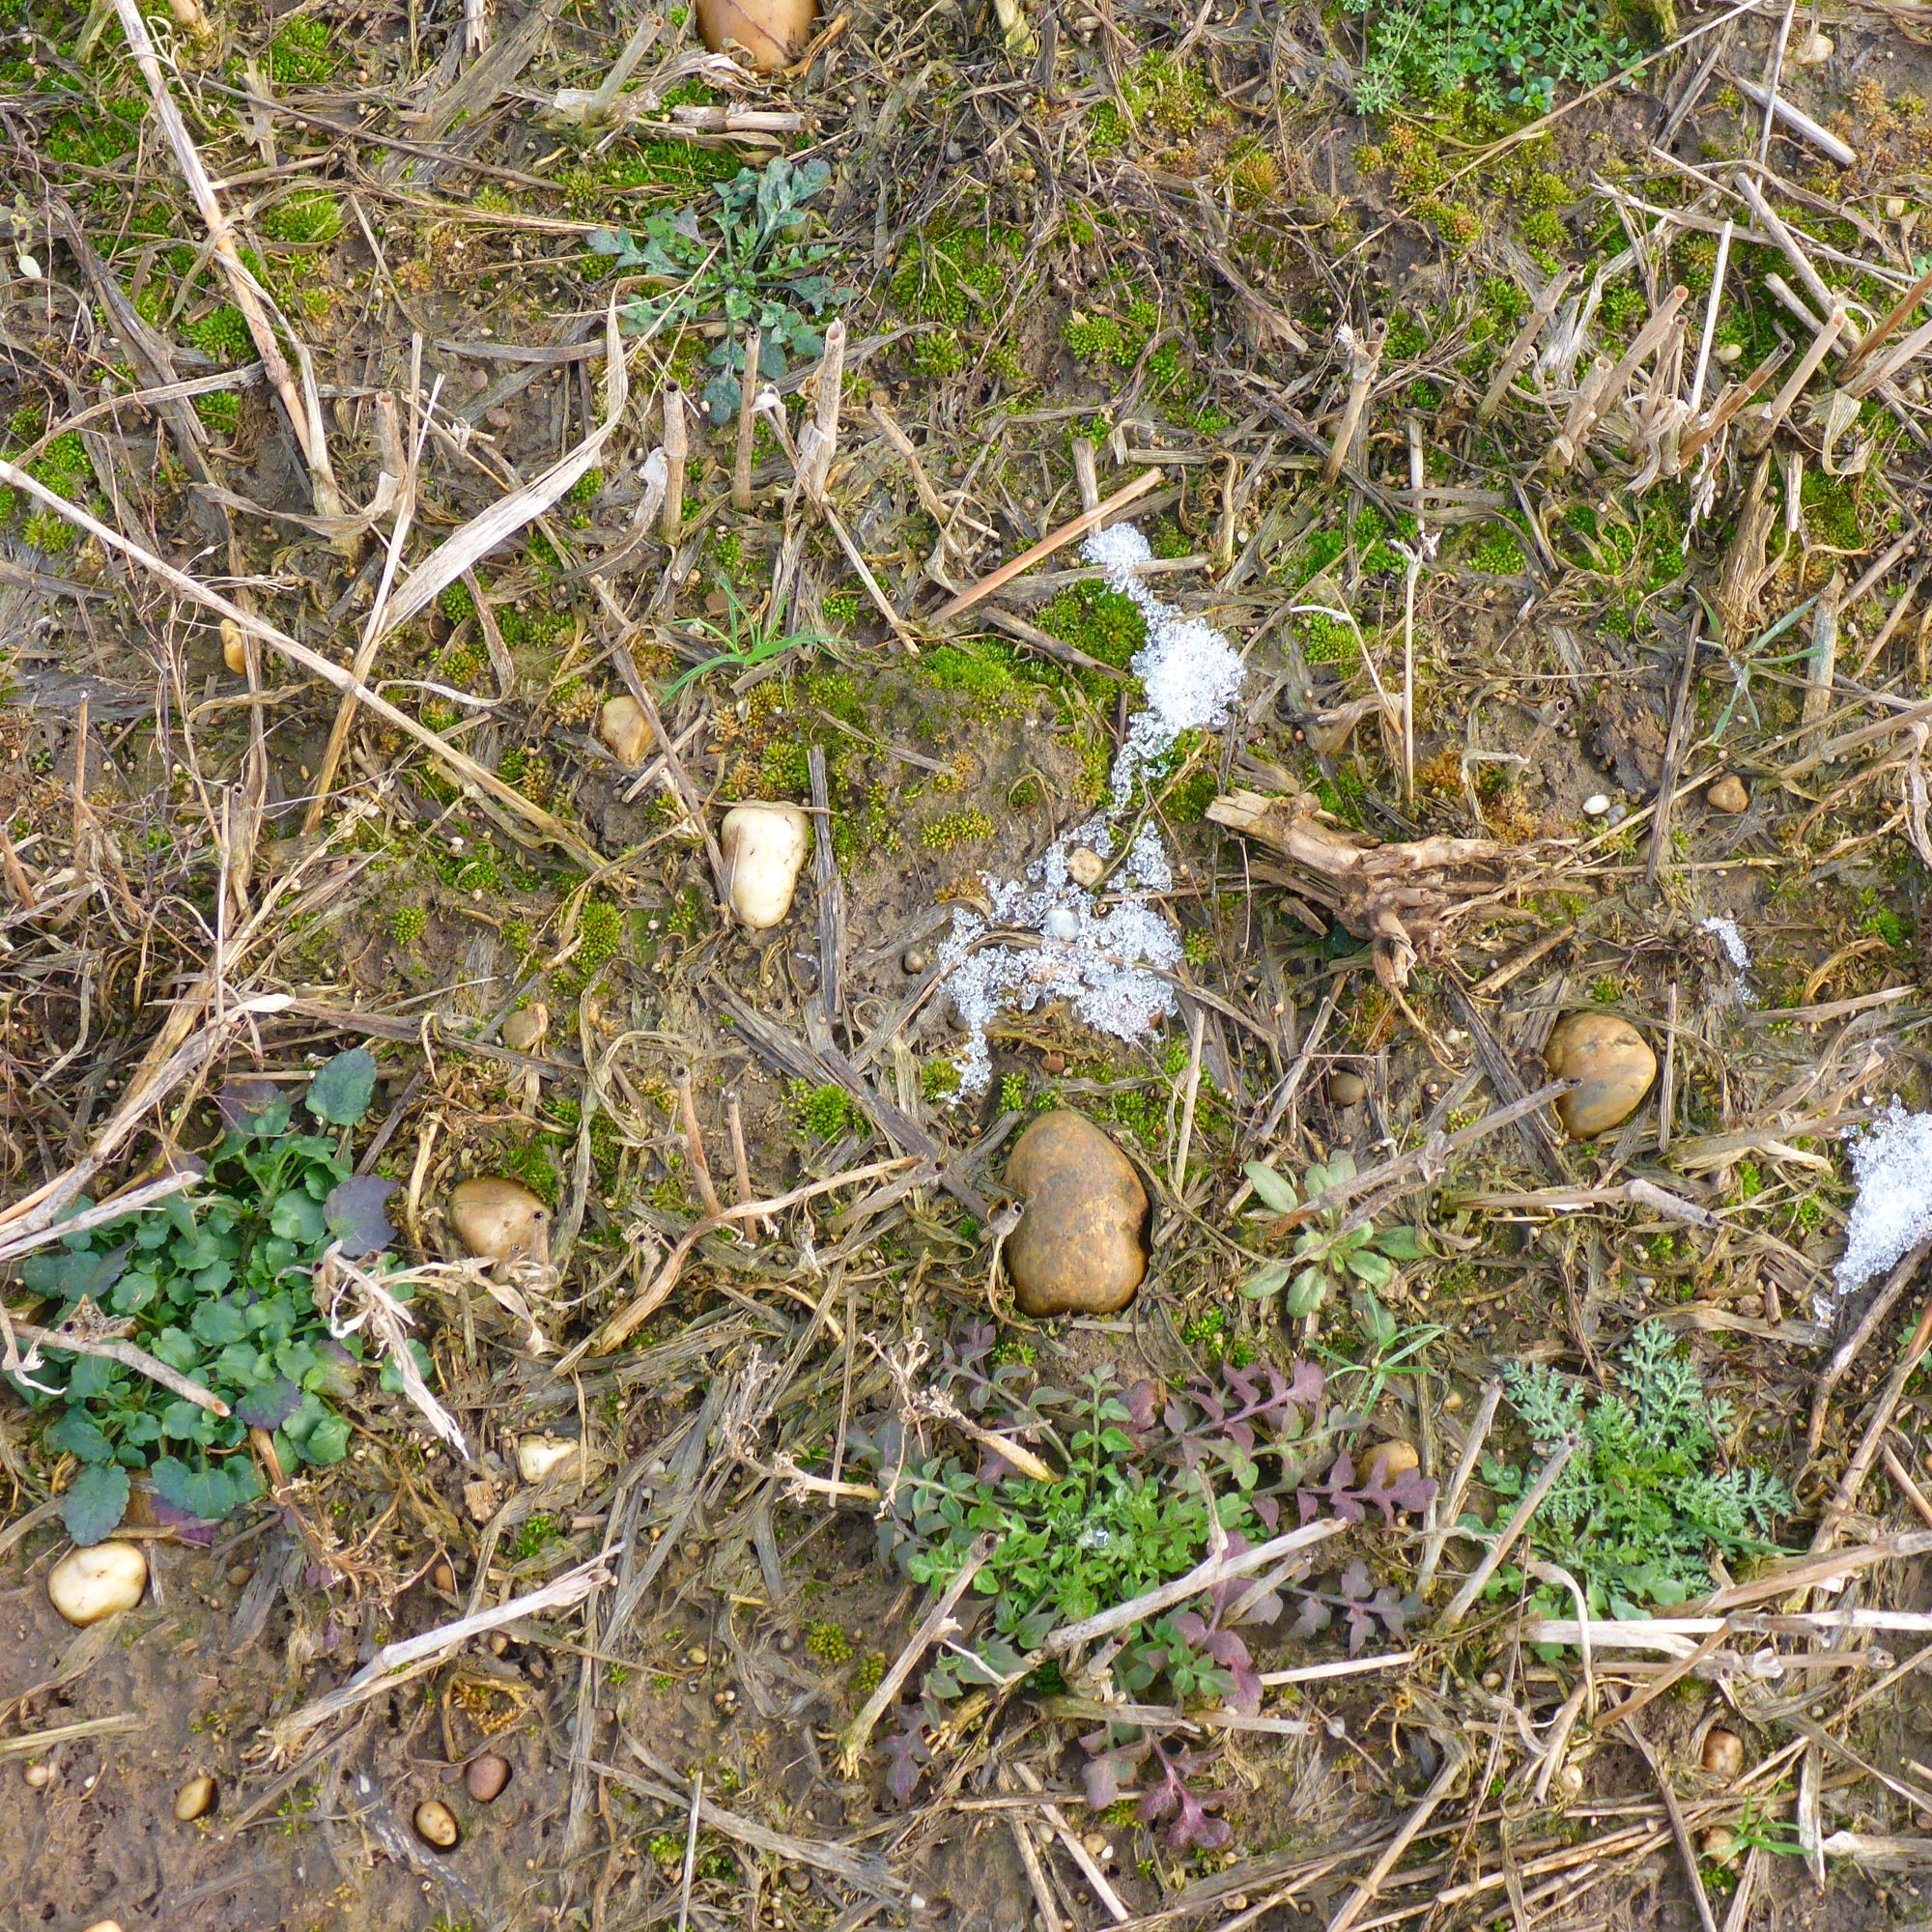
<point>773,33</point>
<point>1612,1060</point>
<point>1723,1752</point>
<point>499,1220</point>
<point>1389,1462</point>
<point>88,1584</point>
<point>1728,794</point>
<point>625,731</point>
<point>436,1825</point>
<point>196,1798</point>
<point>1596,805</point>
<point>484,1777</point>
<point>1347,1089</point>
<point>1086,868</point>
<point>765,846</point>
<point>1077,1249</point>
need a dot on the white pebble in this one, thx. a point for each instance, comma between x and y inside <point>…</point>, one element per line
<point>1062,923</point>
<point>1596,805</point>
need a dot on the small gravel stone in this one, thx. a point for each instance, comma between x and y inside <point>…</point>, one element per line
<point>436,1825</point>
<point>1596,805</point>
<point>196,1798</point>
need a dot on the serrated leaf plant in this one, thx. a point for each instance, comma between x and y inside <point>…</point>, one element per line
<point>1325,1253</point>
<point>1639,1509</point>
<point>214,1281</point>
<point>747,263</point>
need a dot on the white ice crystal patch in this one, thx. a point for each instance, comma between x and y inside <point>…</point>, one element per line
<point>1106,958</point>
<point>1892,1161</point>
<point>1730,939</point>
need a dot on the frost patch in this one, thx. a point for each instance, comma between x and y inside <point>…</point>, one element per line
<point>1892,1161</point>
<point>1730,939</point>
<point>1191,673</point>
<point>1106,958</point>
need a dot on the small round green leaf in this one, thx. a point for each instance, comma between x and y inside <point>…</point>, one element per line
<point>341,1091</point>
<point>95,1502</point>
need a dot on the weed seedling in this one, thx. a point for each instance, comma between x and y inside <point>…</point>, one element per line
<point>749,262</point>
<point>216,1282</point>
<point>1638,1514</point>
<point>1327,1252</point>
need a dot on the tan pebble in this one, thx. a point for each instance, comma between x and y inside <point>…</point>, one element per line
<point>234,647</point>
<point>1814,49</point>
<point>541,1456</point>
<point>196,1798</point>
<point>1611,1059</point>
<point>625,731</point>
<point>239,1575</point>
<point>1389,1462</point>
<point>1718,1842</point>
<point>38,1777</point>
<point>1723,1753</point>
<point>498,1644</point>
<point>765,848</point>
<point>501,1221</point>
<point>1078,1248</point>
<point>88,1584</point>
<point>444,1579</point>
<point>104,1925</point>
<point>1347,1089</point>
<point>524,1029</point>
<point>1728,794</point>
<point>1084,866</point>
<point>484,1777</point>
<point>436,1825</point>
<point>773,33</point>
<point>1895,206</point>
<point>696,1657</point>
<point>1052,1065</point>
<point>1728,352</point>
<point>1493,1680</point>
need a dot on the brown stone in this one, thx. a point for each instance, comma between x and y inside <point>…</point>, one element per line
<point>1077,1249</point>
<point>1728,794</point>
<point>1347,1089</point>
<point>484,1777</point>
<point>499,1220</point>
<point>1611,1059</point>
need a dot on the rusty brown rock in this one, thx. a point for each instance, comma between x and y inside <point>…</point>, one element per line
<point>1611,1059</point>
<point>1078,1248</point>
